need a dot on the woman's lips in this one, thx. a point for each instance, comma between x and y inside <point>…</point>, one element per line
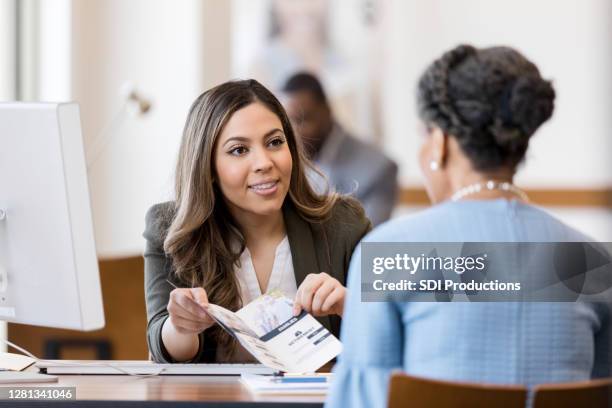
<point>265,189</point>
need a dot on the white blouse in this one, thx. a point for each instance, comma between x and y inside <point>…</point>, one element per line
<point>282,276</point>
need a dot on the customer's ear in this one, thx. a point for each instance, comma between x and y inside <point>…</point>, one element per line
<point>439,146</point>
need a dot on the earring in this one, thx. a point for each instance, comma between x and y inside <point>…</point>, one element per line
<point>434,165</point>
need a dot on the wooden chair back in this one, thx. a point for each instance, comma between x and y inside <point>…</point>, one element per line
<point>592,394</point>
<point>415,392</point>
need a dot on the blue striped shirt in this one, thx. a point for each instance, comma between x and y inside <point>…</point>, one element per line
<point>506,343</point>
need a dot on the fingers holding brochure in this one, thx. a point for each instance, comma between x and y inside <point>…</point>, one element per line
<point>321,295</point>
<point>186,310</point>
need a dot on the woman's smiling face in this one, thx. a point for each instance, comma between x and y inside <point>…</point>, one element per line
<point>253,162</point>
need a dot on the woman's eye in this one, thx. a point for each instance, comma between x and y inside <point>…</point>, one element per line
<point>238,151</point>
<point>277,142</point>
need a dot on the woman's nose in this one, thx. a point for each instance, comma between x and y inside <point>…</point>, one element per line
<point>262,161</point>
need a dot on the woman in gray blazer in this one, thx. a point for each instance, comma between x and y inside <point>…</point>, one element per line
<point>245,220</point>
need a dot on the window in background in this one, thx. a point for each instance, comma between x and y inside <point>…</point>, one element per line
<point>8,73</point>
<point>8,50</point>
<point>35,50</point>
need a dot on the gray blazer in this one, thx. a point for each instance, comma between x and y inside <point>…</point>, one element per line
<point>360,169</point>
<point>325,247</point>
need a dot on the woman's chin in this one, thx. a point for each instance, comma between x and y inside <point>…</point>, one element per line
<point>264,209</point>
<point>268,209</point>
<point>261,206</point>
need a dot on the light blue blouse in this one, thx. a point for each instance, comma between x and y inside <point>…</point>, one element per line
<point>510,343</point>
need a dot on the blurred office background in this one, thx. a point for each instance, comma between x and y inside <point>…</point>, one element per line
<point>112,55</point>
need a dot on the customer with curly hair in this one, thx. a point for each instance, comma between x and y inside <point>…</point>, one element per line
<point>480,108</point>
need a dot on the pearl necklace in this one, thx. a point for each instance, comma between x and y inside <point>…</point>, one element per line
<point>489,185</point>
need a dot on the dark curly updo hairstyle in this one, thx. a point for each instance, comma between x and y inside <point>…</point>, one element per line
<point>491,100</point>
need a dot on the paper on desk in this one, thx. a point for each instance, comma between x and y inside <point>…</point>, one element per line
<point>15,362</point>
<point>267,328</point>
<point>266,384</point>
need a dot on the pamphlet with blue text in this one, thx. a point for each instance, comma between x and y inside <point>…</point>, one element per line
<point>267,329</point>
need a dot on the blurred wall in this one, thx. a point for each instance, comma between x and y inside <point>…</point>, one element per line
<point>570,42</point>
<point>173,50</point>
<point>170,51</point>
<point>339,40</point>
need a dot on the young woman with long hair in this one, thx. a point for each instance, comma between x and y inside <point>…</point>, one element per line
<point>244,220</point>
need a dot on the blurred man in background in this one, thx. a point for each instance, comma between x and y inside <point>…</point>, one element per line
<point>351,165</point>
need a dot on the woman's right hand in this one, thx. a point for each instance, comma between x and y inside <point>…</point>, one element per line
<point>186,311</point>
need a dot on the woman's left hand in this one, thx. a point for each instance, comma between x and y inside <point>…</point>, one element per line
<point>320,295</point>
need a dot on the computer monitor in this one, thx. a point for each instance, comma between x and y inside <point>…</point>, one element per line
<point>48,266</point>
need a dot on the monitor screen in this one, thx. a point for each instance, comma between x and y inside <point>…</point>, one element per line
<point>48,266</point>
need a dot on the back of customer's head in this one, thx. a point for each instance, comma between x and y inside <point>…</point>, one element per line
<point>490,100</point>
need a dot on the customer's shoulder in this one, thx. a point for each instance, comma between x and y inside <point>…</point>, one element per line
<point>474,221</point>
<point>424,225</point>
<point>549,227</point>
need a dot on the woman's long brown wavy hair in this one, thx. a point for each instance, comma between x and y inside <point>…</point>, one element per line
<point>203,240</point>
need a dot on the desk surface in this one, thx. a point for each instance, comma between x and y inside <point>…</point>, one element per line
<point>171,388</point>
<point>161,391</point>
